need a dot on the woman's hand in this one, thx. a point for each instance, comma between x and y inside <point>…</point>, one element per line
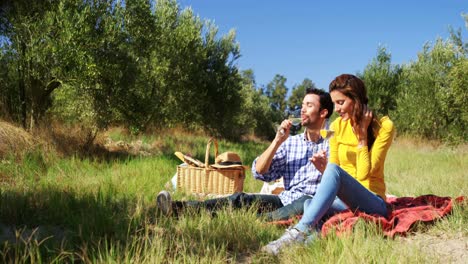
<point>360,129</point>
<point>320,160</point>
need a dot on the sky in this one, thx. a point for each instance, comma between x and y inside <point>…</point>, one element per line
<point>319,40</point>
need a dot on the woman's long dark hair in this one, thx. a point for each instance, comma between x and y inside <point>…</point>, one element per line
<point>354,88</point>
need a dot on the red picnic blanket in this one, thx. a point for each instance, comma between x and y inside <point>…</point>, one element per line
<point>405,212</point>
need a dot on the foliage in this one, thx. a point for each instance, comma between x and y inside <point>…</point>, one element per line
<point>10,106</point>
<point>382,79</point>
<point>140,63</point>
<point>257,117</point>
<point>429,103</point>
<point>33,44</point>
<point>148,64</point>
<point>456,102</point>
<point>298,92</point>
<point>77,111</point>
<point>424,98</point>
<point>276,91</point>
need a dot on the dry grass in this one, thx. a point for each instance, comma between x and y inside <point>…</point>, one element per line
<point>70,140</point>
<point>74,140</point>
<point>52,138</point>
<point>426,145</point>
<point>14,141</point>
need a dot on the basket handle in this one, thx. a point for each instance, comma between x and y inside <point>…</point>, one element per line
<point>207,154</point>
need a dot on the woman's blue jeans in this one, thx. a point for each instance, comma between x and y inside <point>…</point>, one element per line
<point>337,183</point>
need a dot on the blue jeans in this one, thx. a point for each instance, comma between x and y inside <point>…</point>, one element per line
<point>336,182</point>
<point>269,205</point>
<point>287,211</point>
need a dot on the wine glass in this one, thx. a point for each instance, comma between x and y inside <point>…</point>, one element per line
<point>296,120</point>
<point>325,131</point>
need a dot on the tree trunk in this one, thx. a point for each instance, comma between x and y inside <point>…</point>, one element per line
<point>22,88</point>
<point>22,94</point>
<point>32,117</point>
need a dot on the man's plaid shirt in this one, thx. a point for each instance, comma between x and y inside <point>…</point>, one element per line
<point>291,161</point>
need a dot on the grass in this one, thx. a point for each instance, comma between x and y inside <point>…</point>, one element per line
<point>419,168</point>
<point>94,211</point>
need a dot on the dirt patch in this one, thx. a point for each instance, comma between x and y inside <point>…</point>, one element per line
<point>134,148</point>
<point>447,248</point>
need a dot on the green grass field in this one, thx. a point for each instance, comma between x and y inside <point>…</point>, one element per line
<point>71,209</point>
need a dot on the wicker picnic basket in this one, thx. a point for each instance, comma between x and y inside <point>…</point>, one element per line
<point>210,180</point>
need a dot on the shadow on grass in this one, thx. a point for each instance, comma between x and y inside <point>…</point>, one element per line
<point>61,221</point>
<point>56,225</point>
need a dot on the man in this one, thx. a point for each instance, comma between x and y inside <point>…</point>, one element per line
<point>287,157</point>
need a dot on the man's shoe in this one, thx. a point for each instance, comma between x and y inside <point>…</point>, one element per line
<point>164,202</point>
<point>291,236</point>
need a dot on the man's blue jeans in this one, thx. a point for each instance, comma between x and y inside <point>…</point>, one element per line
<point>269,206</point>
<point>337,183</point>
<point>287,211</point>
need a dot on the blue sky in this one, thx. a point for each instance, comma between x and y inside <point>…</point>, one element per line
<point>319,39</point>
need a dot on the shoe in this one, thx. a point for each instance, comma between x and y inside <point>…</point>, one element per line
<point>164,202</point>
<point>311,238</point>
<point>291,236</point>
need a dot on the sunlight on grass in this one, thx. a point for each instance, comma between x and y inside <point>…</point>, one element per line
<point>413,170</point>
<point>104,211</point>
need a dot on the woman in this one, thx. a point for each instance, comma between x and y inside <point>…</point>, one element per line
<point>355,172</point>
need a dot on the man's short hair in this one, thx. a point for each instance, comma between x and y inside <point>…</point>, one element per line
<point>325,99</point>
